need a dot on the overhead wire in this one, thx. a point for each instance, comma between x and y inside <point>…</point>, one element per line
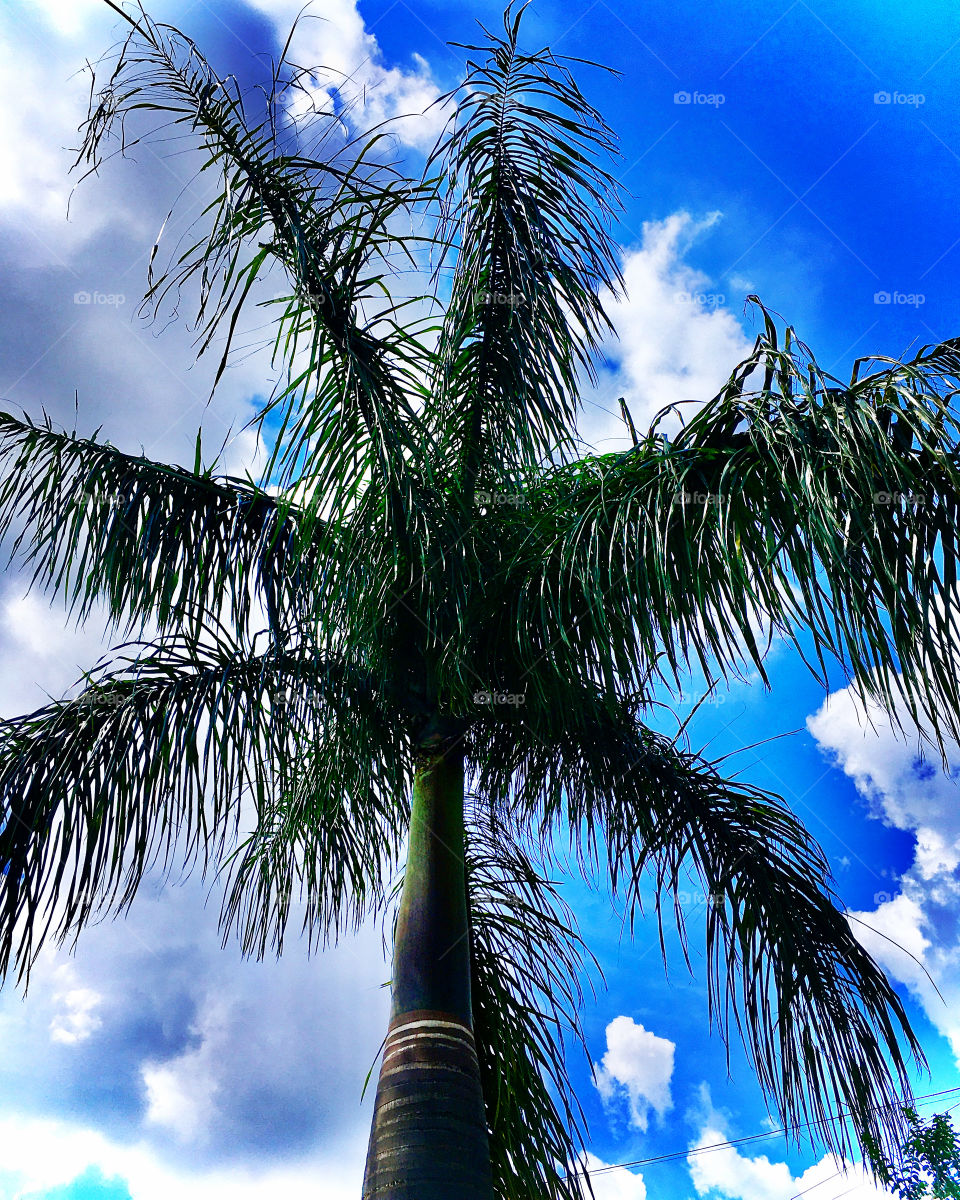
<point>753,1137</point>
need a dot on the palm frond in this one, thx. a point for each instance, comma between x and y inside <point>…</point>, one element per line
<point>821,508</point>
<point>329,835</point>
<point>527,961</point>
<point>150,763</point>
<point>324,221</point>
<point>819,1020</point>
<point>527,210</point>
<point>157,543</point>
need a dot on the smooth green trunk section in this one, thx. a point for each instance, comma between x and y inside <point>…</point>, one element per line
<point>431,955</point>
<point>429,1138</point>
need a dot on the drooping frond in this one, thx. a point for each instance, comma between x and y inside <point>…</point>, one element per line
<point>526,965</point>
<point>527,210</point>
<point>155,542</point>
<point>152,762</point>
<point>819,1020</point>
<point>329,835</point>
<point>354,377</point>
<point>815,506</point>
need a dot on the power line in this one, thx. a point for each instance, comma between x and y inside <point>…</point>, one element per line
<point>753,1137</point>
<point>849,1190</point>
<point>820,1183</point>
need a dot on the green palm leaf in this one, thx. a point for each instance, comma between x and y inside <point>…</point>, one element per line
<point>152,762</point>
<point>818,1018</point>
<point>527,961</point>
<point>155,542</point>
<point>814,507</point>
<point>526,210</point>
<point>328,837</point>
<point>324,221</point>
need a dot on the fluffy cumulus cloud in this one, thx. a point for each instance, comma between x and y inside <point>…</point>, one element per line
<point>151,1033</point>
<point>726,1172</point>
<point>351,77</point>
<point>914,929</point>
<point>637,1066</point>
<point>46,1157</point>
<point>614,1183</point>
<point>76,1018</point>
<point>678,339</point>
<point>721,1170</point>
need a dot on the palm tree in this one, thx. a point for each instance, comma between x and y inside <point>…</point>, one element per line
<point>437,624</point>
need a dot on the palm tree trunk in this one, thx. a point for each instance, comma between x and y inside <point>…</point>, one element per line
<point>429,1134</point>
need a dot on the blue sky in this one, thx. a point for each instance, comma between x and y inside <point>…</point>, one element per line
<point>815,162</point>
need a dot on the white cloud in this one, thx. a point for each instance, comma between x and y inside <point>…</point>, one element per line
<point>616,1184</point>
<point>899,920</point>
<point>911,793</point>
<point>902,935</point>
<point>43,651</point>
<point>42,1154</point>
<point>727,1172</point>
<point>181,1092</point>
<point>67,17</point>
<point>888,771</point>
<point>34,627</point>
<point>677,339</point>
<point>723,1170</point>
<point>77,1018</point>
<point>153,1034</point>
<point>43,97</point>
<point>639,1064</point>
<point>350,64</point>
